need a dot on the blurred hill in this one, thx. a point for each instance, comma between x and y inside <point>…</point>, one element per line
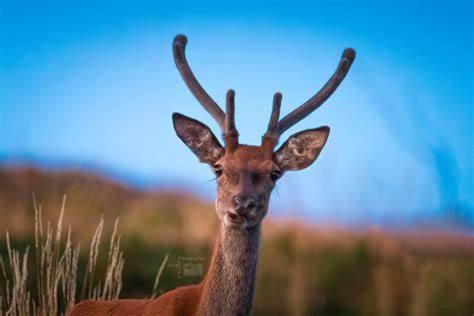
<point>303,270</point>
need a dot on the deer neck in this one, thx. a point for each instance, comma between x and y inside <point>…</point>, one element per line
<point>229,284</point>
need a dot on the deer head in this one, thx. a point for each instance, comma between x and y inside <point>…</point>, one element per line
<point>246,175</point>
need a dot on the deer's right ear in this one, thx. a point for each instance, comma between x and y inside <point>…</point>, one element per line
<point>198,137</point>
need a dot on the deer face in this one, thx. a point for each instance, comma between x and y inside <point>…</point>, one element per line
<point>247,175</point>
<point>245,179</point>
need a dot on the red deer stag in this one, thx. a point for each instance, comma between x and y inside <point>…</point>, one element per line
<point>245,176</point>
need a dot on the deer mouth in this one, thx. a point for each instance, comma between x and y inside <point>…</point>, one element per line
<point>235,218</point>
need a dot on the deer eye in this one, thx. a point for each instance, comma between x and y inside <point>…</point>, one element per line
<point>275,175</point>
<point>217,169</point>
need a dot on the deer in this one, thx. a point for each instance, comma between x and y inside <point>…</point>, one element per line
<point>246,176</point>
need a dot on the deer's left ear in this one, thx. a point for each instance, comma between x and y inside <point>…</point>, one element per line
<point>301,149</point>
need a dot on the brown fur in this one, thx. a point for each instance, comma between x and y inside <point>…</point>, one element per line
<point>182,301</point>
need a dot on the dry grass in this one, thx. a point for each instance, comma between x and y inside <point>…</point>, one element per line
<point>56,270</point>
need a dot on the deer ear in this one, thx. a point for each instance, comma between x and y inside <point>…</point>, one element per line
<point>301,149</point>
<point>198,137</point>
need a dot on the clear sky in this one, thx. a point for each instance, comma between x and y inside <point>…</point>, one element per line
<point>94,84</point>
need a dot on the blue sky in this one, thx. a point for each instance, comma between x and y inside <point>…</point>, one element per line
<point>94,84</point>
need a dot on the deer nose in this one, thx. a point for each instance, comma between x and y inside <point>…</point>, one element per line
<point>244,204</point>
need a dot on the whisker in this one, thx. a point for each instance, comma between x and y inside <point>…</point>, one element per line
<point>213,179</point>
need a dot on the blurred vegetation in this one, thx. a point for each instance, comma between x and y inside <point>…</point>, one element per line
<point>303,270</point>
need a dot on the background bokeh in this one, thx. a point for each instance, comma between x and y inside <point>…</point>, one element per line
<point>93,84</point>
<point>381,224</point>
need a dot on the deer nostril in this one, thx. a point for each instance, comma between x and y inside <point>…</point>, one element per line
<point>251,204</point>
<point>243,203</point>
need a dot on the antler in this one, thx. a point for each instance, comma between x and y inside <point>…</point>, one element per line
<point>275,130</point>
<point>226,122</point>
<point>230,132</point>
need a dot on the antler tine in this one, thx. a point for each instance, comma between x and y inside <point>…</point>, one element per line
<point>270,138</point>
<point>230,113</point>
<point>272,125</point>
<point>319,98</point>
<point>230,131</point>
<point>179,44</point>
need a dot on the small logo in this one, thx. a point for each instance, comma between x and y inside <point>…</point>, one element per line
<point>188,267</point>
<point>192,269</point>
